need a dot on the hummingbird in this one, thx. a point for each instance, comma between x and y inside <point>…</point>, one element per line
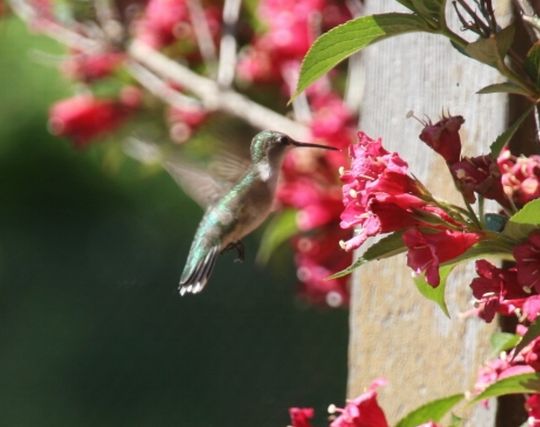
<point>234,207</point>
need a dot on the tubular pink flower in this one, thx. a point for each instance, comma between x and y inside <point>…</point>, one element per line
<point>89,68</point>
<point>527,257</point>
<point>443,137</point>
<point>520,176</point>
<point>363,411</point>
<point>300,417</point>
<point>427,251</point>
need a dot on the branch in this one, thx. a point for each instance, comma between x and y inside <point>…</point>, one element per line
<point>212,96</point>
<point>203,36</point>
<point>227,49</point>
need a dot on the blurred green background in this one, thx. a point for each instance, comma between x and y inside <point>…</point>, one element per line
<point>92,332</point>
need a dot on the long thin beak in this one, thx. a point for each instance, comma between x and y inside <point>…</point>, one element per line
<point>309,144</point>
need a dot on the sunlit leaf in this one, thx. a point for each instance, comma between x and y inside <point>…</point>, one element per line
<point>502,341</point>
<point>517,384</point>
<point>504,138</point>
<point>435,294</point>
<point>277,232</point>
<point>524,221</point>
<point>386,247</point>
<point>432,411</point>
<point>342,41</point>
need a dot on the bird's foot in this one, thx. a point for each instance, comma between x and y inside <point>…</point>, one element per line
<point>239,246</point>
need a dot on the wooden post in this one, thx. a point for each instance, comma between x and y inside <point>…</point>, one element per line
<point>394,332</point>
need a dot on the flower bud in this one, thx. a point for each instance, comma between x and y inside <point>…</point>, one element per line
<point>443,137</point>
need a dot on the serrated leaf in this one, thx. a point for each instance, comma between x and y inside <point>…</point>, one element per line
<point>532,332</point>
<point>502,341</point>
<point>386,247</point>
<point>342,41</point>
<point>524,221</point>
<point>532,63</point>
<point>504,138</point>
<point>517,384</point>
<point>435,294</point>
<point>277,232</point>
<point>493,49</point>
<point>506,87</point>
<point>432,411</point>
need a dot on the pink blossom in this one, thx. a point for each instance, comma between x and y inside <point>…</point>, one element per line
<point>531,354</point>
<point>183,121</point>
<point>531,307</point>
<point>85,117</point>
<point>520,176</point>
<point>443,137</point>
<point>532,406</point>
<point>426,251</point>
<point>162,21</point>
<point>498,369</point>
<point>332,120</point>
<point>363,411</point>
<point>496,290</point>
<point>479,175</point>
<point>92,67</point>
<point>527,257</point>
<point>300,416</point>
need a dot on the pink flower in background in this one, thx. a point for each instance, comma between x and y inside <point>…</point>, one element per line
<point>443,137</point>
<point>427,251</point>
<point>496,290</point>
<point>528,261</point>
<point>332,120</point>
<point>92,67</point>
<point>531,307</point>
<point>183,121</point>
<point>85,117</point>
<point>300,417</point>
<point>520,176</point>
<point>532,406</point>
<point>363,411</point>
<point>479,175</point>
<point>162,22</point>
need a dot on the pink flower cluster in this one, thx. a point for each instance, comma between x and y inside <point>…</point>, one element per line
<point>381,197</point>
<point>362,411</point>
<point>520,176</point>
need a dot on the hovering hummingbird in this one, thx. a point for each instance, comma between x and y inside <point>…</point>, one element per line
<point>234,208</point>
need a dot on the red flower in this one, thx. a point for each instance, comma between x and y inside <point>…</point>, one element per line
<point>520,176</point>
<point>531,307</point>
<point>427,251</point>
<point>85,117</point>
<point>443,137</point>
<point>479,175</point>
<point>364,411</point>
<point>532,405</point>
<point>527,257</point>
<point>496,290</point>
<point>92,67</point>
<point>163,21</point>
<point>300,416</point>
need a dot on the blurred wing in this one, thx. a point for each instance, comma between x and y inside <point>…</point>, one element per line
<point>229,167</point>
<point>198,184</point>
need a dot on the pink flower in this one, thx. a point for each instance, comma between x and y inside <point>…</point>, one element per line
<point>430,424</point>
<point>163,21</point>
<point>378,195</point>
<point>184,121</point>
<point>498,369</point>
<point>363,411</point>
<point>479,175</point>
<point>527,257</point>
<point>427,251</point>
<point>443,137</point>
<point>300,416</point>
<point>332,120</point>
<point>92,67</point>
<point>532,405</point>
<point>531,355</point>
<point>531,307</point>
<point>496,290</point>
<point>85,117</point>
<point>520,176</point>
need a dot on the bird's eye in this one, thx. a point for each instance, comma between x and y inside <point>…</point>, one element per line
<point>284,140</point>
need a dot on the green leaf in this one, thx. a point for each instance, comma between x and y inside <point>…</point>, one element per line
<point>432,411</point>
<point>517,384</point>
<point>277,232</point>
<point>435,294</point>
<point>502,341</point>
<point>520,225</point>
<point>532,332</point>
<point>493,49</point>
<point>342,41</point>
<point>532,63</point>
<point>504,138</point>
<point>506,87</point>
<point>431,9</point>
<point>386,247</point>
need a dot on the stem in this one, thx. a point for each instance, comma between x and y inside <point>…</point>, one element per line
<point>227,50</point>
<point>481,210</point>
<point>202,32</point>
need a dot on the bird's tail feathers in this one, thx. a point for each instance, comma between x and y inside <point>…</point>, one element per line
<point>194,280</point>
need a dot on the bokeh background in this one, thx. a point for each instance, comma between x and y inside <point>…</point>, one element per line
<point>92,332</point>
